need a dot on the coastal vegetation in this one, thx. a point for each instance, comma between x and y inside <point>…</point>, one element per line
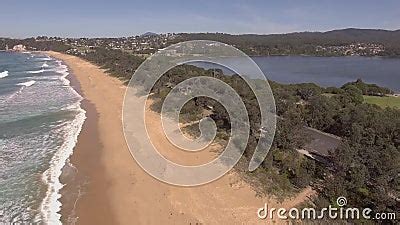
<point>365,167</point>
<point>115,62</point>
<point>368,89</point>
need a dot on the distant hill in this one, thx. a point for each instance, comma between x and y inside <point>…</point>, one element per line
<point>148,34</point>
<point>363,35</point>
<point>303,42</point>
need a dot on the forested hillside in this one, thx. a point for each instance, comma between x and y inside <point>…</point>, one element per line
<point>304,42</point>
<point>362,42</point>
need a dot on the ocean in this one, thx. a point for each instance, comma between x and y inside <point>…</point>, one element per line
<point>40,119</point>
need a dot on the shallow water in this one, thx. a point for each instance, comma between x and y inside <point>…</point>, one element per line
<point>40,118</point>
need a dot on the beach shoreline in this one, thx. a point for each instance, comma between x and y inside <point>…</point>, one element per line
<point>78,174</point>
<point>118,191</point>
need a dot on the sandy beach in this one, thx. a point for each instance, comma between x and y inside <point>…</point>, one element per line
<point>115,190</point>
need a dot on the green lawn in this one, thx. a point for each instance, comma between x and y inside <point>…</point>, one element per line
<point>383,102</point>
<point>328,94</point>
<point>387,101</point>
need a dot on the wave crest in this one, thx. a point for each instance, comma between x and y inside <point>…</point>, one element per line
<point>4,74</point>
<point>36,71</point>
<point>27,84</point>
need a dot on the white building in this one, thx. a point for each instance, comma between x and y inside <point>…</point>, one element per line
<point>19,48</point>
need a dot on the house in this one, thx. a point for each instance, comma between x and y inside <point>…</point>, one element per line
<point>320,146</point>
<point>19,48</point>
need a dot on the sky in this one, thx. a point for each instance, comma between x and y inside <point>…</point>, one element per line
<point>99,18</point>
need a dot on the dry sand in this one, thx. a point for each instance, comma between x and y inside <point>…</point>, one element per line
<point>118,191</point>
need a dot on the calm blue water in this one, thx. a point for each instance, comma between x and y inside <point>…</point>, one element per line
<point>327,71</point>
<point>40,118</point>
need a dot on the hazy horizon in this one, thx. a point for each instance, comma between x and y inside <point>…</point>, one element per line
<point>133,35</point>
<point>22,19</point>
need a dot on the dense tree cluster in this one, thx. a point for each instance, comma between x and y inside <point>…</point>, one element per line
<point>367,165</point>
<point>116,62</point>
<point>368,89</point>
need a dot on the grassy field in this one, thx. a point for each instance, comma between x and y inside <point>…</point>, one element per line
<point>387,101</point>
<point>383,101</point>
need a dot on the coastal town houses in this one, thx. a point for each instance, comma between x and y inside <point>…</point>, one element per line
<point>19,48</point>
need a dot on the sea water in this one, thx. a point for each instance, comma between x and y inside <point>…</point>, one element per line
<point>40,119</point>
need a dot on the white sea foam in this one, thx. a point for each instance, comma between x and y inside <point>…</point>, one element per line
<point>51,205</point>
<point>4,74</point>
<point>65,128</point>
<point>45,59</point>
<point>45,65</point>
<point>36,71</point>
<point>62,69</point>
<point>27,84</point>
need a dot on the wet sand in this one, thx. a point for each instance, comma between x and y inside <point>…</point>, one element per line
<point>118,191</point>
<point>84,175</point>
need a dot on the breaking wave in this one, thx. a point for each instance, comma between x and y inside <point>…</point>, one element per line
<point>4,74</point>
<point>36,71</point>
<point>27,84</point>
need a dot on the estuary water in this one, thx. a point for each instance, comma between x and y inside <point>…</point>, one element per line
<point>325,71</point>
